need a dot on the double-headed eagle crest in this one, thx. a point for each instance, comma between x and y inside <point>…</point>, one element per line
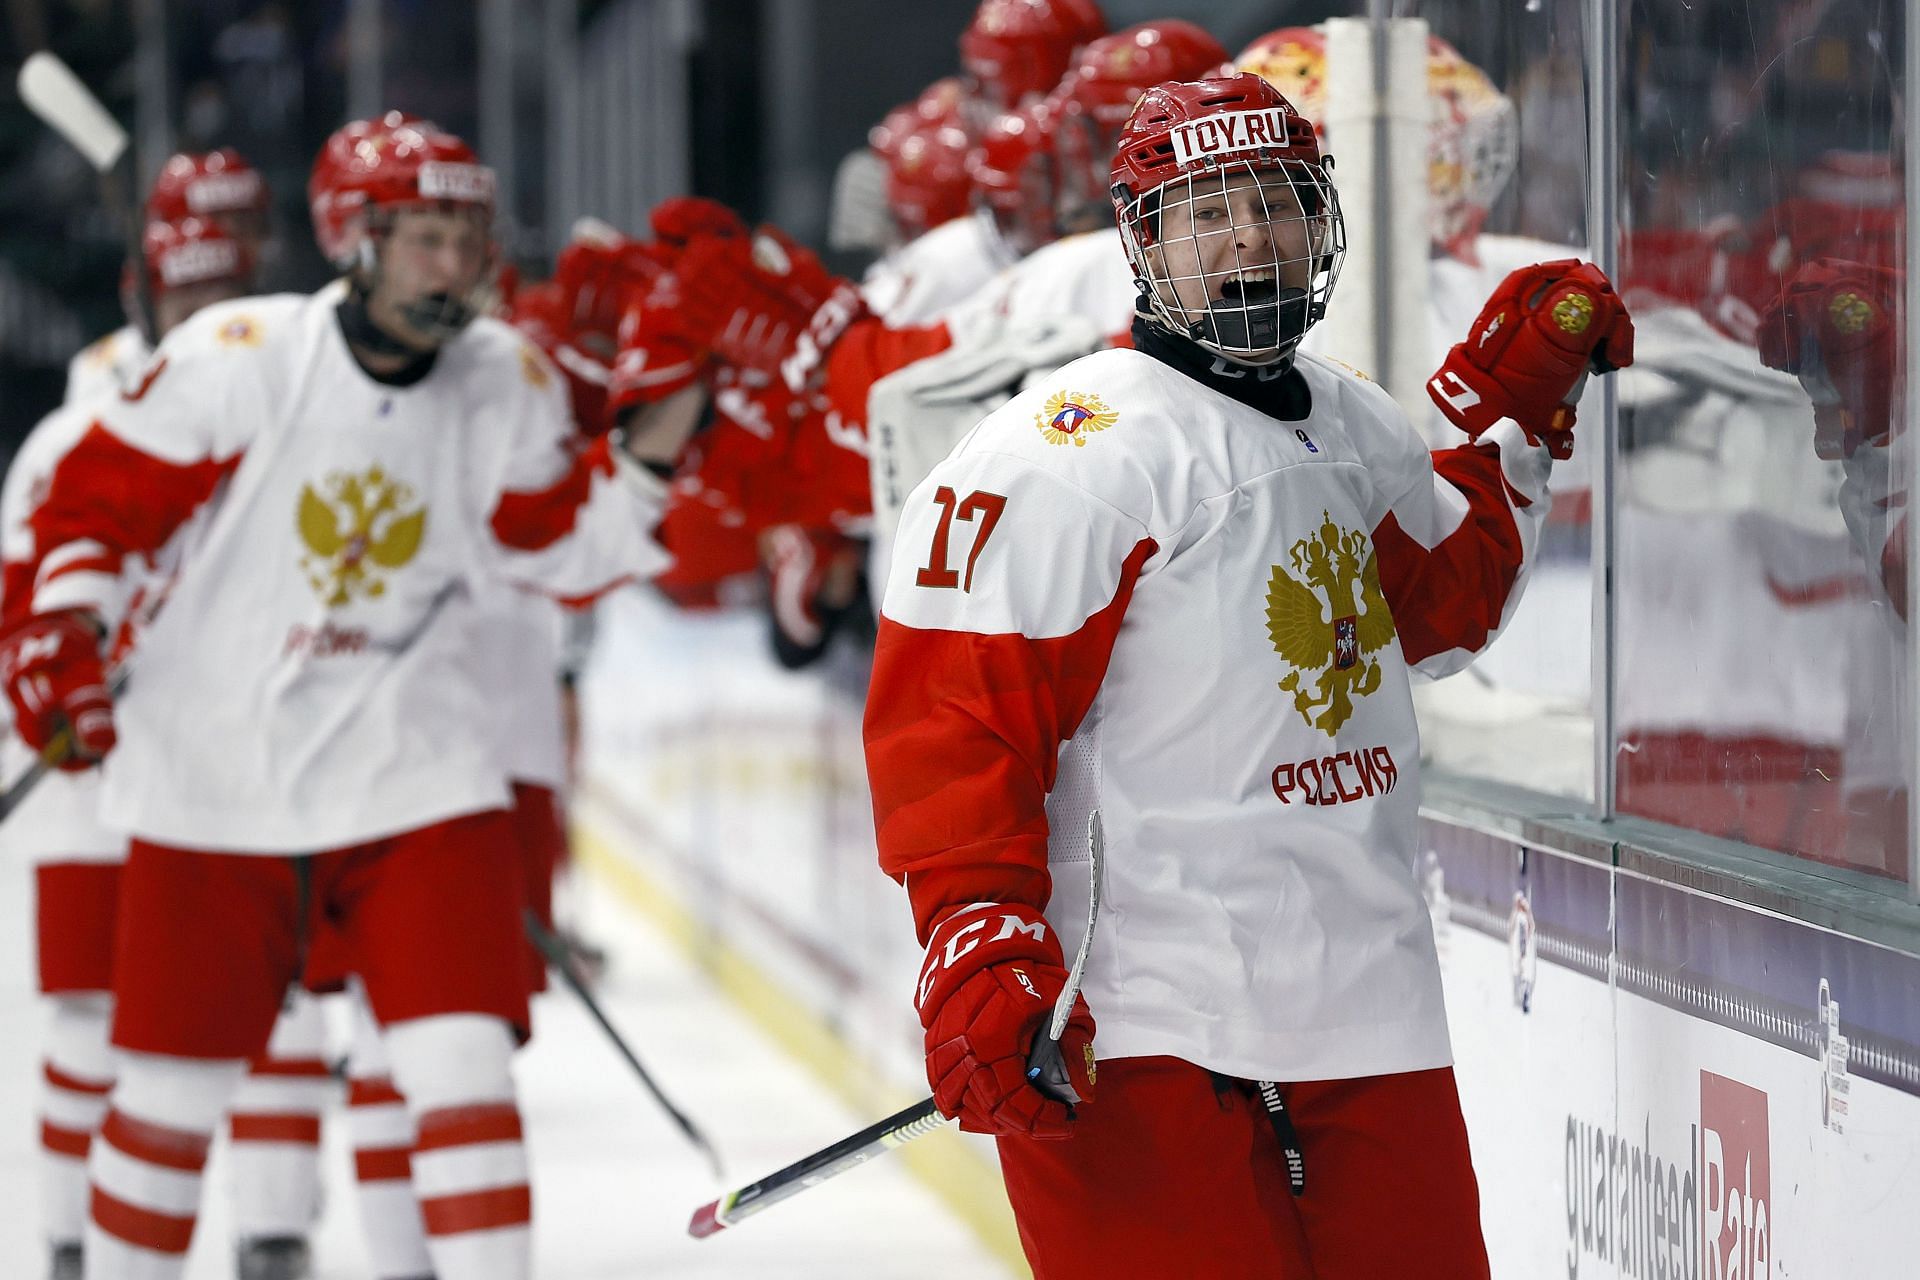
<point>1333,616</point>
<point>360,524</point>
<point>1073,416</point>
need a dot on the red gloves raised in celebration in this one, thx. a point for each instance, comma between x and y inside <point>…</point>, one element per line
<point>987,990</point>
<point>1539,335</point>
<point>57,681</point>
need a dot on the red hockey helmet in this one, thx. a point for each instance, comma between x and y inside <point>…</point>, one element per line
<point>211,184</point>
<point>1013,171</point>
<point>384,165</point>
<point>927,179</point>
<point>1097,95</point>
<point>1016,50</point>
<point>1228,216</point>
<point>940,103</point>
<point>187,263</point>
<point>191,251</point>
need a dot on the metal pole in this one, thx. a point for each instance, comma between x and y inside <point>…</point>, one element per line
<point>153,106</point>
<point>496,115</point>
<point>1911,738</point>
<point>1379,15</point>
<point>561,204</point>
<point>1603,244</point>
<point>366,90</point>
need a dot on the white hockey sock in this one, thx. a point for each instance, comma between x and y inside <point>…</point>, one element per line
<point>77,1072</point>
<point>382,1131</point>
<point>275,1124</point>
<point>146,1167</point>
<point>469,1162</point>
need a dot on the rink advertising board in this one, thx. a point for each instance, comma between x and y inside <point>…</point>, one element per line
<point>1661,1084</point>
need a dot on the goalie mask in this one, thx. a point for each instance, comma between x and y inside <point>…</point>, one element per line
<point>372,171</point>
<point>1473,139</point>
<point>1228,216</point>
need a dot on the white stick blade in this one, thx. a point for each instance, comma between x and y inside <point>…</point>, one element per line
<point>52,92</point>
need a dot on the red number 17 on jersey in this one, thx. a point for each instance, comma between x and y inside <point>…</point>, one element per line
<point>987,507</point>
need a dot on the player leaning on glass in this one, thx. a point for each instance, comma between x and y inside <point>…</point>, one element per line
<point>1185,584</point>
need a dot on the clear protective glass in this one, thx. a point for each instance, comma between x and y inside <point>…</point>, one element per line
<point>1760,579</point>
<point>1507,186</point>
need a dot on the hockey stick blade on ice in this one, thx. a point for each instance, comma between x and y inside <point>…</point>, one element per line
<point>556,953</point>
<point>1044,1068</point>
<point>52,92</point>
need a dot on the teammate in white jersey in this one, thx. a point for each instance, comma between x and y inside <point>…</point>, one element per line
<point>1184,586</point>
<point>189,264</point>
<point>219,187</point>
<point>295,753</point>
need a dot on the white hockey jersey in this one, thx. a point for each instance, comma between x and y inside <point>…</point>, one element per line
<point>931,273</point>
<point>309,685</point>
<point>106,364</point>
<point>60,820</point>
<point>1085,275</point>
<point>1128,591</point>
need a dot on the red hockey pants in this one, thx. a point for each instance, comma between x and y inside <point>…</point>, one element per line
<point>1170,1175</point>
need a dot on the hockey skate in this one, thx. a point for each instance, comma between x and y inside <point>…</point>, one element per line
<point>273,1258</point>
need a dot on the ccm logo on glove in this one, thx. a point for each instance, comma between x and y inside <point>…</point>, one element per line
<point>964,940</point>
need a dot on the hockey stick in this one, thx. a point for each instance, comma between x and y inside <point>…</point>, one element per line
<point>65,105</point>
<point>1044,1068</point>
<point>556,953</point>
<point>56,750</point>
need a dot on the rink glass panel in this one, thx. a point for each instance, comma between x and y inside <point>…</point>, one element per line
<point>1757,659</point>
<point>1522,715</point>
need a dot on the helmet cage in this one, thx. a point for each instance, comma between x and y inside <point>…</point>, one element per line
<point>1252,305</point>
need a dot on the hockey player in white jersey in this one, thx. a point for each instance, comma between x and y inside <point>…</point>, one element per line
<point>189,264</point>
<point>295,751</point>
<point>214,186</point>
<point>1184,585</point>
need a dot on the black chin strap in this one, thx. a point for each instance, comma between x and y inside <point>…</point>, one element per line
<point>1276,390</point>
<point>365,338</point>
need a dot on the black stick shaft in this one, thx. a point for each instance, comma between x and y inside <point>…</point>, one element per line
<point>850,1152</point>
<point>556,953</point>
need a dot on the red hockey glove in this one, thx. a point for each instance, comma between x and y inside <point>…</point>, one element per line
<point>986,990</point>
<point>1835,327</point>
<point>55,679</point>
<point>659,354</point>
<point>1539,335</point>
<point>682,220</point>
<point>767,304</point>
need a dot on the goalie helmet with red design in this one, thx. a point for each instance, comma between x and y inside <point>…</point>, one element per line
<point>1015,51</point>
<point>217,185</point>
<point>1093,102</point>
<point>1228,216</point>
<point>370,175</point>
<point>1473,138</point>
